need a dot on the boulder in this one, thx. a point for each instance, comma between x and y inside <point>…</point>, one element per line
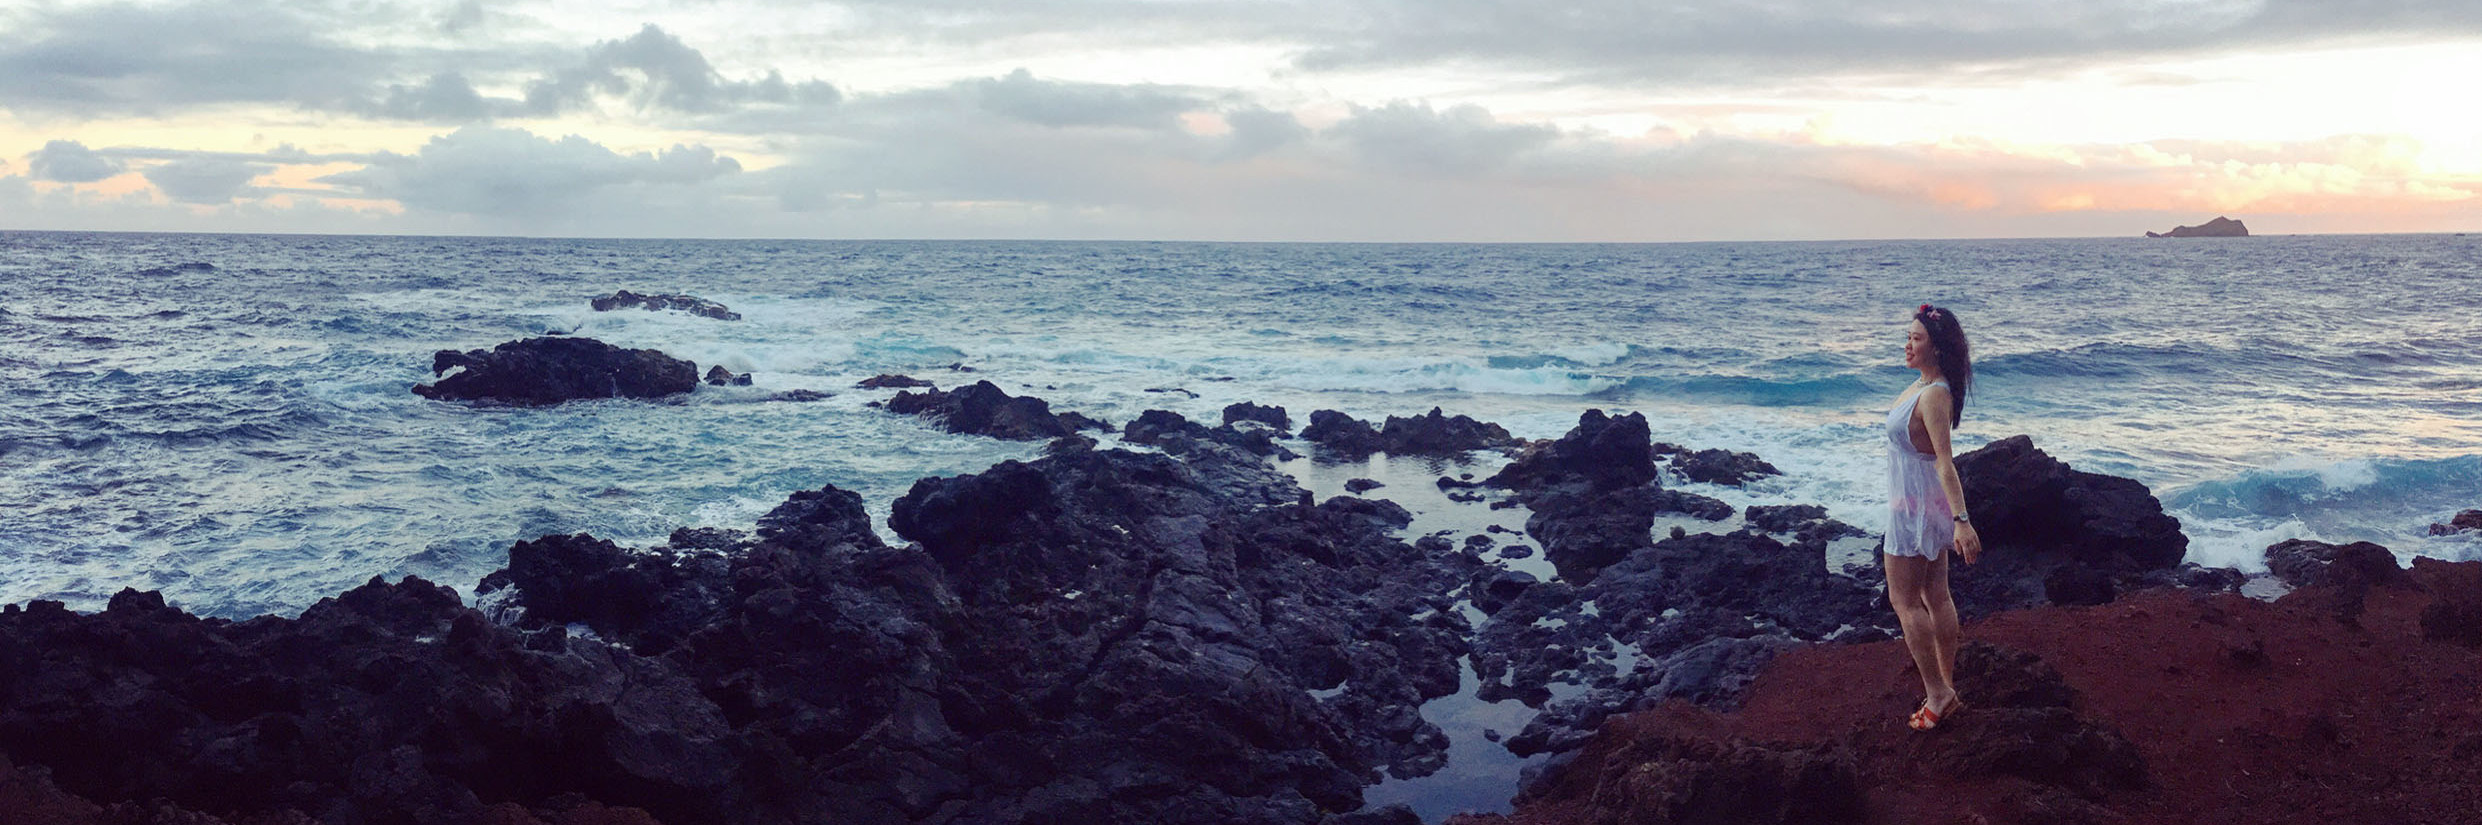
<point>2466,520</point>
<point>1341,434</point>
<point>1271,416</point>
<point>1723,467</point>
<point>1436,433</point>
<point>720,377</point>
<point>551,370</point>
<point>983,409</point>
<point>625,299</point>
<point>1605,452</point>
<point>2036,516</point>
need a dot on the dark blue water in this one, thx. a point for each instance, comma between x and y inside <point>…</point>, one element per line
<point>242,438</point>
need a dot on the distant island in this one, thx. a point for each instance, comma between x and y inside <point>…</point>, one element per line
<point>2220,227</point>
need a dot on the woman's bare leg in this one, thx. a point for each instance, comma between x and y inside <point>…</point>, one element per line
<point>1944,631</point>
<point>1908,583</point>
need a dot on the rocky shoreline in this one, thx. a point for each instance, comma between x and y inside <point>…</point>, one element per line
<point>1171,634</point>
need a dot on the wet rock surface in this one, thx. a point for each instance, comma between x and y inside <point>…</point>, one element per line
<point>1723,467</point>
<point>894,382</point>
<point>551,370</point>
<point>694,305</point>
<point>984,409</point>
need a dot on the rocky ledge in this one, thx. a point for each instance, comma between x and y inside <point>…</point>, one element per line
<point>2163,707</point>
<point>554,369</point>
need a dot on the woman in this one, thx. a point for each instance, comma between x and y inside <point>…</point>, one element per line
<point>1926,508</point>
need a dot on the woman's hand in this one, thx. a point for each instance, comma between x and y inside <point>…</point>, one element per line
<point>1968,543</point>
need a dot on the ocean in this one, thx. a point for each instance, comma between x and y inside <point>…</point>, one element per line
<point>242,437</point>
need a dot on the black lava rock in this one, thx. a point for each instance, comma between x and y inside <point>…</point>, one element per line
<point>550,370</point>
<point>625,299</point>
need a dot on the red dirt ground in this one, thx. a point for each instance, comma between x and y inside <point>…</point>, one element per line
<point>2334,724</point>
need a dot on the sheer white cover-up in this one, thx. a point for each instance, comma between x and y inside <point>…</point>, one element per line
<point>1919,522</point>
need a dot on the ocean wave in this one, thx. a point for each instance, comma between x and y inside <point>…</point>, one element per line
<point>1828,391</point>
<point>2296,486</point>
<point>1422,375</point>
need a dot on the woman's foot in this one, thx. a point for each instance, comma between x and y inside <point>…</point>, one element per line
<point>1929,716</point>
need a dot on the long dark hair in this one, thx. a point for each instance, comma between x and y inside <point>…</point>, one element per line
<point>1956,357</point>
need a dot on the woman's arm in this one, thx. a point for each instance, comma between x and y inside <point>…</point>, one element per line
<point>1936,402</point>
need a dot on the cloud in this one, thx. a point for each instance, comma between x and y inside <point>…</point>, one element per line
<point>1464,140</point>
<point>654,69</point>
<point>491,171</point>
<point>150,60</point>
<point>1053,103</point>
<point>204,180</point>
<point>68,161</point>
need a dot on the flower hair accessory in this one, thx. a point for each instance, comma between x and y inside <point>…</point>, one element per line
<point>1929,311</point>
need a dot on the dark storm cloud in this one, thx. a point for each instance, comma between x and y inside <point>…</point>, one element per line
<point>511,172</point>
<point>68,161</point>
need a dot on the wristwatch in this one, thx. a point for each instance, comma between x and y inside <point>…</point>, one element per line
<point>1961,519</point>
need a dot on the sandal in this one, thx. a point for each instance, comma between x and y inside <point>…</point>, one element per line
<point>1926,719</point>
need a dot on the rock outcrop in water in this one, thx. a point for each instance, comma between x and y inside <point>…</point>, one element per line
<point>1435,433</point>
<point>553,369</point>
<point>2220,227</point>
<point>985,409</point>
<point>1176,434</point>
<point>694,305</point>
<point>2163,707</point>
<point>2467,520</point>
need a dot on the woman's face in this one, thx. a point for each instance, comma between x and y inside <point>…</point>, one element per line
<point>1918,352</point>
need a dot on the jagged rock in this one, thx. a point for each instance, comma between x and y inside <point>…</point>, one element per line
<point>1341,434</point>
<point>2341,575</point>
<point>2466,520</point>
<point>388,703</point>
<point>1272,416</point>
<point>1178,435</point>
<point>1436,433</point>
<point>1723,467</point>
<point>625,299</point>
<point>2036,516</point>
<point>719,376</point>
<point>2022,725</point>
<point>1603,451</point>
<point>550,370</point>
<point>983,409</point>
<point>897,382</point>
<point>2220,227</point>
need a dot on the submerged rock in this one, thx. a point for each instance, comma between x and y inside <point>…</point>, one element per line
<point>694,305</point>
<point>550,370</point>
<point>898,382</point>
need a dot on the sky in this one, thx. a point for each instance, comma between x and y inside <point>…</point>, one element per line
<point>1242,120</point>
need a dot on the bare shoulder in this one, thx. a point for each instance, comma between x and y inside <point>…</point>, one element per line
<point>1936,397</point>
